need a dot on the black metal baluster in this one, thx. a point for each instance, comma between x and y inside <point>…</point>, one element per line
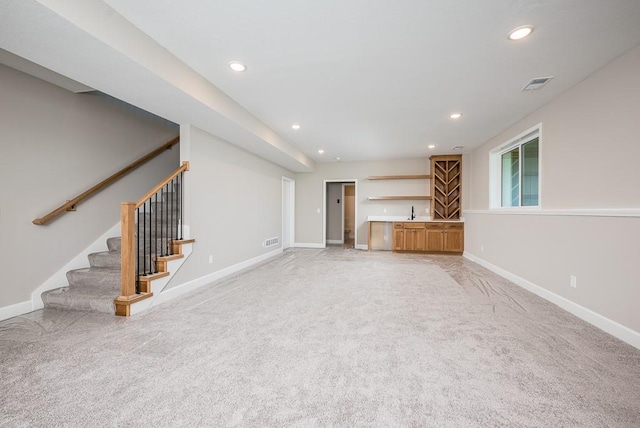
<point>165,243</point>
<point>155,226</point>
<point>138,251</point>
<point>180,192</point>
<point>144,237</point>
<point>171,218</point>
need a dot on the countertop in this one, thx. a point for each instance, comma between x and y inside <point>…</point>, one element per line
<point>422,219</point>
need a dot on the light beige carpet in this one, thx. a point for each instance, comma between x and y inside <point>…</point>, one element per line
<point>324,338</point>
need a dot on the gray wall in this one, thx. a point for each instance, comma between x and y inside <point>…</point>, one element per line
<point>334,212</point>
<point>235,203</point>
<point>309,188</point>
<point>589,155</point>
<point>55,144</point>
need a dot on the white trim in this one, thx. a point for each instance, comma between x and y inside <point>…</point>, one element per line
<point>342,215</point>
<point>335,241</point>
<point>495,167</point>
<point>355,210</point>
<point>362,247</point>
<point>59,279</point>
<point>577,212</point>
<point>309,245</point>
<point>192,285</point>
<point>291,214</point>
<point>623,333</point>
<point>15,310</point>
<point>518,139</point>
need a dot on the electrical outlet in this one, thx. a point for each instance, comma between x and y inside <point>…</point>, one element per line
<point>573,281</point>
<point>482,248</point>
<point>318,210</point>
<point>384,210</point>
<point>426,210</point>
<point>210,258</point>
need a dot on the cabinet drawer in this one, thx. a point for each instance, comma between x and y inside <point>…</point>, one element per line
<point>433,226</point>
<point>414,225</point>
<point>398,225</point>
<point>458,226</point>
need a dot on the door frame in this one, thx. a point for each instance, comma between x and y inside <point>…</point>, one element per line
<point>344,209</point>
<point>290,214</point>
<point>324,209</point>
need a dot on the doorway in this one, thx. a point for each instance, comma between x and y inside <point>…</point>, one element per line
<point>288,212</point>
<point>349,214</point>
<point>340,213</point>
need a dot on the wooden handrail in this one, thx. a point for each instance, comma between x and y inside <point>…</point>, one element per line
<point>70,205</point>
<point>157,187</point>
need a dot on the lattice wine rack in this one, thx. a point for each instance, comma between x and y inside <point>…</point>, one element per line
<point>446,187</point>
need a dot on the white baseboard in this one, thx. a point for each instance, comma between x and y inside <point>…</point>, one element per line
<point>192,285</point>
<point>362,247</point>
<point>59,279</point>
<point>335,241</point>
<point>623,333</point>
<point>311,245</point>
<point>11,311</point>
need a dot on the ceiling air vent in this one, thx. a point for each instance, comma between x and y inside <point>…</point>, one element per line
<point>537,83</point>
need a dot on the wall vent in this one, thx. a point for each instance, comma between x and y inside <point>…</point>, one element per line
<point>537,83</point>
<point>271,242</point>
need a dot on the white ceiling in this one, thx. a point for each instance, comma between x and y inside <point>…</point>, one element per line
<point>366,79</point>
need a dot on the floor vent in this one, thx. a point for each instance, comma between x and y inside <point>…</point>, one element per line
<point>271,242</point>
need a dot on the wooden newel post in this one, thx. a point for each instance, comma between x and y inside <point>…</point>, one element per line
<point>128,273</point>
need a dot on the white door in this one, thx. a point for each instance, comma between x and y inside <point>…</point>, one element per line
<point>288,196</point>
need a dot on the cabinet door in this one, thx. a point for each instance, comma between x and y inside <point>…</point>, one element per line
<point>414,236</point>
<point>398,239</point>
<point>454,238</point>
<point>434,240</point>
<point>419,240</point>
<point>409,240</point>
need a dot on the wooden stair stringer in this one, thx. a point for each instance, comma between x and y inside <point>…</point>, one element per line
<point>155,284</point>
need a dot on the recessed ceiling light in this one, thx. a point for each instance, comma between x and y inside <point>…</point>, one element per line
<point>458,148</point>
<point>321,151</point>
<point>295,126</point>
<point>237,66</point>
<point>432,146</point>
<point>455,115</point>
<point>338,158</point>
<point>520,32</point>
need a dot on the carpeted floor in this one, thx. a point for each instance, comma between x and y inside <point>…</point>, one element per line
<point>329,337</point>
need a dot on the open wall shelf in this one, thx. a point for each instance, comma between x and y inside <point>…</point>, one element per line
<point>399,198</point>
<point>400,177</point>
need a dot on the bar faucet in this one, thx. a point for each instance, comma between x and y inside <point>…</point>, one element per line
<point>413,214</point>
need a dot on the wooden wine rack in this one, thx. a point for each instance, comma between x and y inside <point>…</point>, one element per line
<point>446,187</point>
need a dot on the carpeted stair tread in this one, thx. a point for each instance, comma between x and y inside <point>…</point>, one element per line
<point>81,298</point>
<point>164,207</point>
<point>105,259</point>
<point>114,244</point>
<point>95,277</point>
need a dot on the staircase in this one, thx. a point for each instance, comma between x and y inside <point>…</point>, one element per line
<point>158,238</point>
<point>92,288</point>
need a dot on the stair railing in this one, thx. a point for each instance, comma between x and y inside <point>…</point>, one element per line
<point>71,205</point>
<point>149,226</point>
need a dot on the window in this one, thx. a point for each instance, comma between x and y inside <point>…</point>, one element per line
<point>515,172</point>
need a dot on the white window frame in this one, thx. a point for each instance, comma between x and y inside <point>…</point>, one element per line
<point>495,169</point>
